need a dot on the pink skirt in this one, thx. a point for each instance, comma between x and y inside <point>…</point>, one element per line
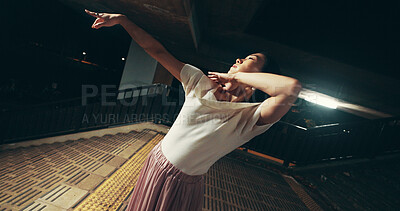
<point>162,186</point>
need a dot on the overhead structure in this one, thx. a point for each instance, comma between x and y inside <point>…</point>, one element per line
<point>212,34</point>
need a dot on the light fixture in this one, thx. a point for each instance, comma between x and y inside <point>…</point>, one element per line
<point>319,98</point>
<point>84,53</point>
<point>123,59</point>
<point>335,103</point>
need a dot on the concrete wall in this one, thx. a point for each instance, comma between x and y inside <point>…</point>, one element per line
<point>139,68</point>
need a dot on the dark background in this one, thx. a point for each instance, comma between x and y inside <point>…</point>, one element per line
<point>365,34</point>
<point>41,39</point>
<point>42,42</point>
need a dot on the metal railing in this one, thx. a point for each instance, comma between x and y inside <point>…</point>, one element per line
<point>302,146</point>
<point>137,104</point>
<point>161,104</point>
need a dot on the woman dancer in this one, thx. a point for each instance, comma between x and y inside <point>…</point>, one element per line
<point>213,121</point>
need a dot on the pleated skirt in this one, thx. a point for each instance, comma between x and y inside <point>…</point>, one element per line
<point>161,186</point>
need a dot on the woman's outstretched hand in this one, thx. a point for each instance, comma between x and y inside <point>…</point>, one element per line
<point>105,19</point>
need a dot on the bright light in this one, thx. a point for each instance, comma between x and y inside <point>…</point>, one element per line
<point>321,100</point>
<point>123,59</point>
<point>334,103</point>
<point>84,53</point>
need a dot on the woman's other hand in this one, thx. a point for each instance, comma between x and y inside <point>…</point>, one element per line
<point>105,19</point>
<point>232,90</point>
<point>226,79</point>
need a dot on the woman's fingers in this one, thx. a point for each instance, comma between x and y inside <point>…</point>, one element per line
<point>215,75</point>
<point>225,79</point>
<point>215,79</point>
<point>97,21</point>
<point>98,24</point>
<point>230,86</point>
<point>94,14</point>
<point>91,13</point>
<point>248,91</point>
<point>104,19</point>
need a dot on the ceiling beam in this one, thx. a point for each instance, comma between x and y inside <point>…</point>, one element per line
<point>192,14</point>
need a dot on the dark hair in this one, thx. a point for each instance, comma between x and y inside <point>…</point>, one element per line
<point>270,66</point>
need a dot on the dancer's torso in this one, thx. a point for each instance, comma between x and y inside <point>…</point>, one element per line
<point>206,129</point>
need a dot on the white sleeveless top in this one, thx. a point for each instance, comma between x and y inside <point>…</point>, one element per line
<point>207,129</point>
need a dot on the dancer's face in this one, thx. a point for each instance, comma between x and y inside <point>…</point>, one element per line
<point>252,63</point>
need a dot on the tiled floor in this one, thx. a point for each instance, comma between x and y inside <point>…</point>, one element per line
<point>80,174</point>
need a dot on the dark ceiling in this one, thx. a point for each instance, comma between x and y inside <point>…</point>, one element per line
<point>361,33</point>
<point>346,49</point>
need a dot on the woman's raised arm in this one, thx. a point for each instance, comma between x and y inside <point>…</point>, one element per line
<point>282,89</point>
<point>153,47</point>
